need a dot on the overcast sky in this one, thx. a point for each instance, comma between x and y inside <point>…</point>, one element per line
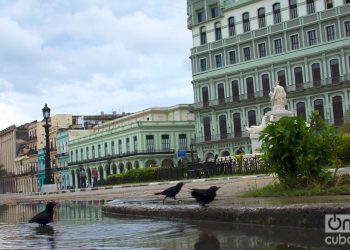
<point>82,57</point>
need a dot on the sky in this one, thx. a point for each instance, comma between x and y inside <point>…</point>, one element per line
<point>84,57</point>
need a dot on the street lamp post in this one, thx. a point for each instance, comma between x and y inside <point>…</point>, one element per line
<point>191,148</point>
<point>32,173</point>
<point>48,172</point>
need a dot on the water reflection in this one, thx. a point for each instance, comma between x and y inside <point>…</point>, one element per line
<point>82,225</point>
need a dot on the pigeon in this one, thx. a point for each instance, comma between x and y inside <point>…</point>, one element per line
<point>204,196</point>
<point>172,191</point>
<point>45,216</point>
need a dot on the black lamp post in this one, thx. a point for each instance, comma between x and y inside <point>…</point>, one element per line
<point>191,148</point>
<point>48,172</point>
<point>32,174</point>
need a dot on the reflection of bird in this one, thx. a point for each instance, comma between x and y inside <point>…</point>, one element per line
<point>172,191</point>
<point>204,196</point>
<point>207,241</point>
<point>45,216</point>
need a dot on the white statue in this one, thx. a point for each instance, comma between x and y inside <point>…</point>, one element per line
<point>278,97</point>
<point>257,129</point>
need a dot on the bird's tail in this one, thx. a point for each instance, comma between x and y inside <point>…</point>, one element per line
<point>157,193</point>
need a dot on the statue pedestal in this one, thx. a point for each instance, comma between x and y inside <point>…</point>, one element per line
<point>254,138</point>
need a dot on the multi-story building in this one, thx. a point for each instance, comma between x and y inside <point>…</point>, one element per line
<point>151,137</point>
<point>242,47</point>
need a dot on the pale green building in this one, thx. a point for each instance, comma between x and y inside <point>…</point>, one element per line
<point>242,47</point>
<point>151,137</point>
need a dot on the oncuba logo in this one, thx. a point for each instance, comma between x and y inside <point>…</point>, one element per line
<point>337,223</point>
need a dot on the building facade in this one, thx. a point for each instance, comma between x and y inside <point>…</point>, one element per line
<point>241,48</point>
<point>151,137</point>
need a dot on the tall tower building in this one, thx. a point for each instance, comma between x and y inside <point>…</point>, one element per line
<point>242,47</point>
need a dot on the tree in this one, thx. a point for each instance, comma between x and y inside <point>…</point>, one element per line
<point>297,151</point>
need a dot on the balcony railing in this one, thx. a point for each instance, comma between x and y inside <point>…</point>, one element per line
<point>263,93</point>
<point>123,155</point>
<point>221,137</point>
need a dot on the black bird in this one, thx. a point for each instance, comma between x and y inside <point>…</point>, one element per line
<point>204,196</point>
<point>172,191</point>
<point>45,216</point>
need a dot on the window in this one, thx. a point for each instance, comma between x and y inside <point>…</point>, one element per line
<point>281,76</point>
<point>223,127</point>
<point>218,61</point>
<point>149,143</point>
<point>237,125</point>
<point>251,118</point>
<point>329,4</point>
<point>330,32</point>
<point>99,150</point>
<point>293,9</point>
<point>346,1</point>
<point>310,6</point>
<point>278,46</point>
<point>246,52</point>
<point>81,154</point>
<point>106,149</point>
<point>203,64</point>
<point>318,106</point>
<point>201,16</point>
<point>347,27</point>
<point>203,35</point>
<point>232,57</point>
<point>221,93</point>
<point>337,110</point>
<point>76,155</point>
<point>112,147</point>
<point>127,142</point>
<point>235,90</point>
<point>214,11</point>
<point>316,74</point>
<point>93,152</point>
<point>165,143</point>
<point>217,31</point>
<point>335,74</point>
<point>120,149</point>
<point>276,13</point>
<point>135,144</point>
<point>87,153</point>
<point>312,37</point>
<point>182,142</point>
<point>265,84</point>
<point>250,87</point>
<point>262,50</point>
<point>205,97</point>
<point>207,131</point>
<point>246,24</point>
<point>301,109</point>
<point>294,42</point>
<point>298,77</point>
<point>261,17</point>
<point>231,26</point>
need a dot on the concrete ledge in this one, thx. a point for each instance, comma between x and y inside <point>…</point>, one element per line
<point>305,216</point>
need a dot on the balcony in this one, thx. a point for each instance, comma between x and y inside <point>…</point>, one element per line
<point>221,137</point>
<point>123,155</point>
<point>261,95</point>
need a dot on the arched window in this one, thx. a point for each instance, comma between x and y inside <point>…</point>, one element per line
<point>231,26</point>
<point>261,17</point>
<point>221,93</point>
<point>298,77</point>
<point>318,106</point>
<point>246,23</point>
<point>301,109</point>
<point>338,110</point>
<point>276,13</point>
<point>203,35</point>
<point>218,31</point>
<point>251,118</point>
<point>223,127</point>
<point>207,131</point>
<point>316,74</point>
<point>281,76</point>
<point>335,74</point>
<point>250,87</point>
<point>266,110</point>
<point>237,125</point>
<point>235,91</point>
<point>265,84</point>
<point>293,9</point>
<point>205,97</point>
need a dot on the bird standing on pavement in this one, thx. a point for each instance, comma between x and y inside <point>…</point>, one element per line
<point>204,196</point>
<point>45,216</point>
<point>172,191</point>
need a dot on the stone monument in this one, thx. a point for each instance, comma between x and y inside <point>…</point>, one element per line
<point>278,100</point>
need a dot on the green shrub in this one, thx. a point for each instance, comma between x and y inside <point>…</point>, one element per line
<point>134,175</point>
<point>296,151</point>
